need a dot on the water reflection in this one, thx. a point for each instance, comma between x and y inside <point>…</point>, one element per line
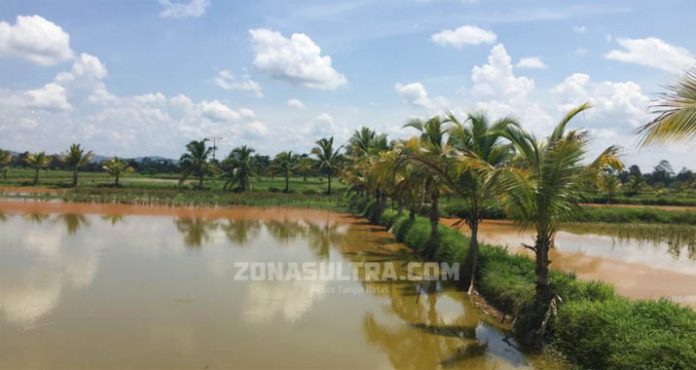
<point>37,217</point>
<point>679,239</point>
<point>196,231</point>
<point>241,231</point>
<point>125,290</point>
<point>73,222</point>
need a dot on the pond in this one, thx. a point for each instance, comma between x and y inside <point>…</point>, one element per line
<point>117,286</point>
<point>643,261</point>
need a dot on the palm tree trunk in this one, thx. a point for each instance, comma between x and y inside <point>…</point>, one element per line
<point>472,255</point>
<point>434,239</point>
<point>74,178</point>
<point>541,269</point>
<point>200,182</point>
<point>287,184</point>
<point>329,177</point>
<point>36,176</point>
<point>116,180</point>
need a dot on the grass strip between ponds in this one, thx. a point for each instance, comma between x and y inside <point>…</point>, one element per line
<point>594,327</point>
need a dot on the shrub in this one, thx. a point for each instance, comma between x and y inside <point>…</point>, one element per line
<point>388,218</point>
<point>621,334</point>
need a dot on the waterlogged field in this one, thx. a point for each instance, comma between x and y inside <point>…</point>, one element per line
<point>641,260</point>
<point>120,286</point>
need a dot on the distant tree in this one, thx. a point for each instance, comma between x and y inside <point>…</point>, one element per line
<point>304,166</point>
<point>610,184</point>
<point>239,169</point>
<point>196,162</point>
<point>328,159</point>
<point>75,158</point>
<point>284,164</point>
<point>117,168</point>
<point>5,161</point>
<point>37,161</point>
<point>662,174</point>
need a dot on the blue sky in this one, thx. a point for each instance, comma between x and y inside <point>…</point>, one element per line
<point>143,77</point>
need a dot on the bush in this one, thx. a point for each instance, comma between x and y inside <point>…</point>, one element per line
<point>388,218</point>
<point>621,334</point>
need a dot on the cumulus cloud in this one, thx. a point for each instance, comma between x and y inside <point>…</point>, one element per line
<point>183,9</point>
<point>228,81</point>
<point>499,91</point>
<point>295,103</point>
<point>50,97</point>
<point>416,95</point>
<point>77,101</point>
<point>620,105</point>
<point>35,39</point>
<point>652,52</point>
<point>579,29</point>
<point>296,59</point>
<point>581,52</point>
<point>464,35</point>
<point>531,63</point>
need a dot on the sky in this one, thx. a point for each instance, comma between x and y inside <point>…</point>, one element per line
<point>144,77</point>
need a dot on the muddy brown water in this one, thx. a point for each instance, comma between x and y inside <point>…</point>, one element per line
<point>95,286</point>
<point>641,261</point>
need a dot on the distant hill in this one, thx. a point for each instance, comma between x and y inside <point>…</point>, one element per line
<point>98,158</point>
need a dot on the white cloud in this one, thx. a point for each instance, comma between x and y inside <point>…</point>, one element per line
<point>182,9</point>
<point>50,97</point>
<point>500,92</point>
<point>415,94</point>
<point>617,105</point>
<point>228,81</point>
<point>531,63</point>
<point>326,118</point>
<point>296,59</point>
<point>652,52</point>
<point>296,103</point>
<point>581,52</point>
<point>35,39</point>
<point>464,35</point>
<point>579,29</point>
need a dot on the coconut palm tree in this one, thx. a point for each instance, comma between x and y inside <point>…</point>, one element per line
<point>429,153</point>
<point>304,166</point>
<point>542,189</point>
<point>5,160</point>
<point>75,158</point>
<point>328,159</point>
<point>676,113</point>
<point>196,161</point>
<point>239,169</point>
<point>284,164</point>
<point>37,161</point>
<point>117,168</point>
<point>480,137</point>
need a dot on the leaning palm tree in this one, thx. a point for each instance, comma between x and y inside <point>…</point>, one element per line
<point>239,169</point>
<point>5,160</point>
<point>37,161</point>
<point>328,159</point>
<point>76,158</point>
<point>542,188</point>
<point>429,152</point>
<point>196,161</point>
<point>304,166</point>
<point>117,168</point>
<point>676,113</point>
<point>481,138</point>
<point>284,164</point>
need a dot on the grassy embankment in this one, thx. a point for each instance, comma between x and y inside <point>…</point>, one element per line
<point>594,328</point>
<point>164,190</point>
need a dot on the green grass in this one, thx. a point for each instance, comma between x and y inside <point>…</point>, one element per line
<point>618,214</point>
<point>594,328</point>
<point>164,190</point>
